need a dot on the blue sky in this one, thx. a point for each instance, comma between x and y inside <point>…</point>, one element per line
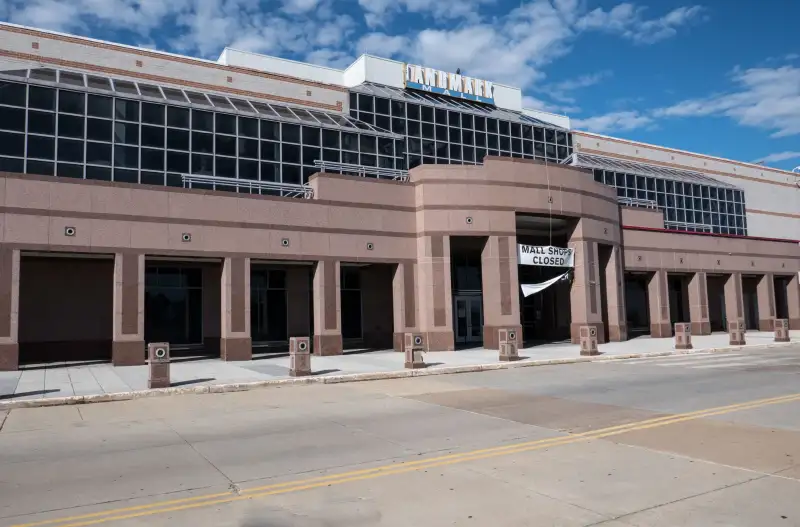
<point>718,77</point>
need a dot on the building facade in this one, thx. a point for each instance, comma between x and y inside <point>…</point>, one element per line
<point>227,206</point>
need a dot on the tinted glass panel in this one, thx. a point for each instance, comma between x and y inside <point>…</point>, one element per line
<point>248,148</point>
<point>270,130</point>
<point>69,170</point>
<point>126,176</point>
<point>126,156</point>
<point>98,153</point>
<point>70,150</point>
<point>153,136</point>
<point>9,164</point>
<point>202,164</point>
<point>41,122</point>
<point>248,169</point>
<point>202,142</point>
<point>290,153</point>
<point>178,117</point>
<point>12,119</point>
<point>248,127</point>
<point>177,139</point>
<point>178,162</point>
<point>152,113</point>
<point>226,145</point>
<point>152,178</point>
<point>70,126</point>
<point>99,106</point>
<point>41,147</point>
<point>12,93</point>
<point>126,110</point>
<point>270,151</point>
<point>202,121</point>
<point>226,167</point>
<point>226,124</point>
<point>127,133</point>
<point>152,159</point>
<point>43,98</point>
<point>98,129</point>
<point>291,133</point>
<point>42,168</point>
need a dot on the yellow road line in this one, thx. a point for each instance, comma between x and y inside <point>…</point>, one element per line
<point>357,475</point>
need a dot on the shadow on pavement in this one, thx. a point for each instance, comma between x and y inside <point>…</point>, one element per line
<point>26,394</point>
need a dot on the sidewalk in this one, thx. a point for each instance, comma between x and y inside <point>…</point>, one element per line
<point>53,382</point>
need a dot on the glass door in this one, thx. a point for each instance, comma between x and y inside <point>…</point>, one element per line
<point>468,315</point>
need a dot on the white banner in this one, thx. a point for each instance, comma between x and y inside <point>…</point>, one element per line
<point>529,289</point>
<point>546,255</point>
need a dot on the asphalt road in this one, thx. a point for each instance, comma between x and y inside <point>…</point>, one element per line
<point>695,440</point>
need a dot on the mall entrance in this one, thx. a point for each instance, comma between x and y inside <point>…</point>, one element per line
<point>467,288</point>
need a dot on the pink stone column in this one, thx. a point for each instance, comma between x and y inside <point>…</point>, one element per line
<point>9,309</point>
<point>793,298</point>
<point>734,301</point>
<point>658,297</point>
<point>615,296</point>
<point>235,339</point>
<point>434,292</point>
<point>327,299</point>
<point>127,347</point>
<point>698,304</point>
<point>766,302</point>
<point>585,302</point>
<point>404,302</point>
<point>500,288</point>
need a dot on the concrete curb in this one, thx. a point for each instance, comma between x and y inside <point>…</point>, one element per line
<point>357,377</point>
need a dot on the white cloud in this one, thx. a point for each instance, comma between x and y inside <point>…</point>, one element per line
<point>380,12</point>
<point>382,44</point>
<point>628,21</point>
<point>767,98</point>
<point>614,122</point>
<point>779,156</point>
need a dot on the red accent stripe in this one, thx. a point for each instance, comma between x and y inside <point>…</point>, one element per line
<point>712,234</point>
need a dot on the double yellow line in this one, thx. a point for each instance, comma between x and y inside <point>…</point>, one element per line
<point>390,470</point>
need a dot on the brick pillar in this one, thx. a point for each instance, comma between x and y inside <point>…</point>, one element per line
<point>404,302</point>
<point>698,304</point>
<point>766,302</point>
<point>793,299</point>
<point>434,292</point>
<point>615,296</point>
<point>327,300</point>
<point>658,296</point>
<point>298,297</point>
<point>235,342</point>
<point>734,301</point>
<point>585,301</point>
<point>500,288</point>
<point>127,347</point>
<point>9,309</point>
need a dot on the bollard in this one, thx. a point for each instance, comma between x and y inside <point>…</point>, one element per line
<point>158,360</point>
<point>683,336</point>
<point>736,331</point>
<point>299,356</point>
<point>781,330</point>
<point>414,345</point>
<point>509,348</point>
<point>589,340</point>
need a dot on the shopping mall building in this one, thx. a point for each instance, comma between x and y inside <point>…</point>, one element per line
<point>227,206</point>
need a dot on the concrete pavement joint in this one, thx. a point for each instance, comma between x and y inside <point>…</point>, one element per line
<point>358,377</point>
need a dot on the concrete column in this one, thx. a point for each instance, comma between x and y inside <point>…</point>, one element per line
<point>615,296</point>
<point>698,304</point>
<point>766,302</point>
<point>585,301</point>
<point>500,288</point>
<point>9,309</point>
<point>235,340</point>
<point>127,347</point>
<point>298,297</point>
<point>734,301</point>
<point>212,303</point>
<point>376,306</point>
<point>327,300</point>
<point>658,296</point>
<point>793,299</point>
<point>434,292</point>
<point>404,302</point>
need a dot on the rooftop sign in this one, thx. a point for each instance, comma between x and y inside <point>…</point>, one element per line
<point>450,84</point>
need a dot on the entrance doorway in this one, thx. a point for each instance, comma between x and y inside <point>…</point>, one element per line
<point>468,315</point>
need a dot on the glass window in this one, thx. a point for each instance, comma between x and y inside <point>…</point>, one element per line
<point>491,125</point>
<point>70,150</point>
<point>226,124</point>
<point>398,109</point>
<point>455,135</point>
<point>127,133</point>
<point>516,145</point>
<point>98,153</point>
<point>42,98</point>
<point>152,178</point>
<point>330,155</point>
<point>41,147</point>
<point>414,129</point>
<point>152,159</point>
<point>291,133</point>
<point>12,93</point>
<point>270,151</point>
<point>368,144</point>
<point>12,119</point>
<point>248,127</point>
<point>369,160</point>
<point>365,103</point>
<point>226,167</point>
<point>291,174</point>
<point>153,136</point>
<point>549,135</point>
<point>427,114</point>
<point>413,111</point>
<point>126,110</point>
<point>177,117</point>
<point>41,123</point>
<point>427,131</point>
<point>382,105</point>
<point>226,145</point>
<point>70,126</point>
<point>69,170</point>
<point>178,162</point>
<point>42,168</point>
<point>126,156</point>
<point>270,130</point>
<point>98,129</point>
<point>290,153</point>
<point>99,106</point>
<point>504,127</point>
<point>203,143</point>
<point>248,148</point>
<point>350,141</point>
<point>310,154</point>
<point>98,173</point>
<point>202,120</point>
<point>152,113</point>
<point>202,164</point>
<point>270,172</point>
<point>505,143</point>
<point>385,146</point>
<point>9,164</point>
<point>330,138</point>
<point>248,169</point>
<point>311,136</point>
<point>126,176</point>
<point>178,139</point>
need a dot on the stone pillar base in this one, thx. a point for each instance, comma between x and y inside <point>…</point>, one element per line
<point>618,333</point>
<point>784,339</point>
<point>325,345</point>
<point>127,352</point>
<point>440,341</point>
<point>589,353</point>
<point>661,331</point>
<point>737,342</point>
<point>9,357</point>
<point>766,325</point>
<point>575,331</point>
<point>701,328</point>
<point>490,337</point>
<point>794,323</point>
<point>236,349</point>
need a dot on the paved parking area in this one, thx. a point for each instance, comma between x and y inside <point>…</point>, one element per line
<point>65,379</point>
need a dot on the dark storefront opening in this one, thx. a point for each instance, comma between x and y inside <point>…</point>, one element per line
<point>782,296</point>
<point>678,285</point>
<point>637,304</point>
<point>750,300</point>
<point>352,314</point>
<point>268,305</point>
<point>467,287</point>
<point>66,305</point>
<point>367,311</point>
<point>173,305</point>
<point>716,303</point>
